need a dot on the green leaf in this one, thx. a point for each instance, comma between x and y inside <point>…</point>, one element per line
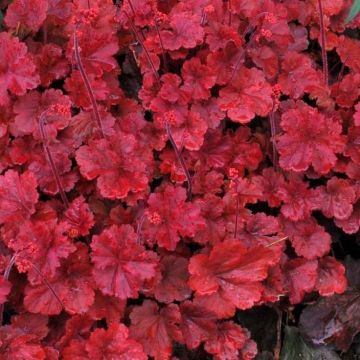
<point>296,348</point>
<point>353,11</point>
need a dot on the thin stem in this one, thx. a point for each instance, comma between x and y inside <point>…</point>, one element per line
<point>9,267</point>
<point>6,277</point>
<point>134,13</point>
<point>323,45</point>
<point>203,18</point>
<point>139,227</point>
<point>230,10</point>
<point>163,54</point>
<point>87,84</point>
<point>181,160</point>
<point>241,57</point>
<point>51,160</point>
<point>46,282</point>
<point>237,216</point>
<point>273,134</point>
<point>138,38</point>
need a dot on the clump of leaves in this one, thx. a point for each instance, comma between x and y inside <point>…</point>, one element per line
<point>139,222</point>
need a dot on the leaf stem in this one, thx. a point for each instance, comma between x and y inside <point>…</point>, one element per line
<point>181,160</point>
<point>51,160</point>
<point>273,134</point>
<point>163,54</point>
<point>138,38</point>
<point>230,10</point>
<point>237,216</point>
<point>87,84</point>
<point>323,44</point>
<point>46,282</point>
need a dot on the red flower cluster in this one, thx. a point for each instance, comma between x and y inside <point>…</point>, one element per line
<point>165,163</point>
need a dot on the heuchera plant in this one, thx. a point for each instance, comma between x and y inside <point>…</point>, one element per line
<point>166,164</point>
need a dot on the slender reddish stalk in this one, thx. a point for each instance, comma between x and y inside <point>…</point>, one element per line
<point>51,160</point>
<point>203,17</point>
<point>241,57</point>
<point>273,134</point>
<point>323,45</point>
<point>138,38</point>
<point>46,282</point>
<point>134,13</point>
<point>139,227</point>
<point>237,216</point>
<point>87,84</point>
<point>181,161</point>
<point>230,10</point>
<point>163,54</point>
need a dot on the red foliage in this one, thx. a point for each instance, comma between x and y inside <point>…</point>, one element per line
<point>109,113</point>
<point>120,264</point>
<point>18,72</point>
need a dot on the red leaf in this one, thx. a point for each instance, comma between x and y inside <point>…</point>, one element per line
<point>43,244</point>
<point>247,95</point>
<point>16,345</point>
<point>120,264</point>
<point>28,13</point>
<point>236,271</point>
<point>185,31</point>
<point>164,224</point>
<point>18,196</point>
<point>40,298</point>
<point>310,138</point>
<point>347,50</point>
<point>148,322</point>
<point>197,324</point>
<point>352,148</point>
<point>337,198</point>
<point>212,209</point>
<point>217,304</point>
<point>309,239</point>
<point>298,76</point>
<point>19,74</point>
<point>227,341</point>
<point>97,54</point>
<point>259,229</point>
<point>198,79</point>
<point>80,295</point>
<point>190,133</point>
<point>331,279</point>
<point>107,307</point>
<point>350,225</point>
<point>298,200</point>
<point>114,164</point>
<point>300,278</point>
<point>79,217</point>
<point>173,285</point>
<point>29,108</point>
<point>113,343</point>
<point>51,64</point>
